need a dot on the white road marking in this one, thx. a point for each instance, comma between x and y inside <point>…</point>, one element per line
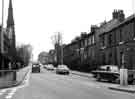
<point>3,91</point>
<point>10,95</point>
<point>14,89</point>
<point>24,84</point>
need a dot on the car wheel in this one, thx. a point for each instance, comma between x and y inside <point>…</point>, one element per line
<point>117,81</point>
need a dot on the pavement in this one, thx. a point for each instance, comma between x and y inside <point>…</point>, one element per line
<point>117,87</point>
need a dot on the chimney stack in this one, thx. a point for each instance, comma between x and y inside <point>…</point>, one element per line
<point>118,14</point>
<point>94,28</point>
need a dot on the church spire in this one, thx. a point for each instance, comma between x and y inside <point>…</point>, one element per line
<point>10,20</point>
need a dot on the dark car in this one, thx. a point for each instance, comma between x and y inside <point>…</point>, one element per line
<point>35,68</point>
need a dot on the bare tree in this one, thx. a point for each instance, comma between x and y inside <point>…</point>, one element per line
<point>57,42</point>
<point>24,52</point>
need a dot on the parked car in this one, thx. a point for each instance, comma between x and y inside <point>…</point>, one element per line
<point>107,72</point>
<point>49,67</point>
<point>111,73</point>
<point>35,68</point>
<point>62,69</point>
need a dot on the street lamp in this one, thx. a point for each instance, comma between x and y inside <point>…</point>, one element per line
<point>2,26</point>
<point>2,51</point>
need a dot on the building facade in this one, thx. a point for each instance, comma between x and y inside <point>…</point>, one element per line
<point>119,42</point>
<point>112,42</point>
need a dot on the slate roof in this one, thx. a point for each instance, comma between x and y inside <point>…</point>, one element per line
<point>114,23</point>
<point>109,26</point>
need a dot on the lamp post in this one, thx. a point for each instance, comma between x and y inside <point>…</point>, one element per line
<point>2,51</point>
<point>2,26</point>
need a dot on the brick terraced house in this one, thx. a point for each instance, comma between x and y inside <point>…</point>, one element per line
<point>105,44</point>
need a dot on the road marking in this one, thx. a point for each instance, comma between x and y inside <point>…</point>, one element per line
<point>14,89</point>
<point>3,91</point>
<point>10,95</point>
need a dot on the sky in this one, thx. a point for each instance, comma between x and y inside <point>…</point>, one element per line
<point>36,21</point>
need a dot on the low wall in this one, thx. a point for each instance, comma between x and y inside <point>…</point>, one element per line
<point>20,75</point>
<point>13,77</point>
<point>6,80</point>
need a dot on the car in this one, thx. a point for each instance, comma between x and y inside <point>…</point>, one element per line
<point>35,68</point>
<point>49,67</point>
<point>62,69</point>
<point>108,73</point>
<point>111,73</point>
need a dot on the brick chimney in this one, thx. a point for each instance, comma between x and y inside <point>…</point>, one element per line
<point>118,14</point>
<point>94,28</point>
<point>115,14</point>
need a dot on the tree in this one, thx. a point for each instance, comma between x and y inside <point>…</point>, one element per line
<point>57,42</point>
<point>24,53</point>
<point>43,57</point>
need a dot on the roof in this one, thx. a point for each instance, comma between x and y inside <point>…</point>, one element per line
<point>114,23</point>
<point>126,20</point>
<point>109,26</point>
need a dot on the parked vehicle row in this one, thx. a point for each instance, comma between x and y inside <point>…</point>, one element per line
<point>49,67</point>
<point>60,69</point>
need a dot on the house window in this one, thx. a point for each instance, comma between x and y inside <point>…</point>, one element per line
<point>121,54</point>
<point>120,35</point>
<point>89,41</point>
<point>85,42</point>
<point>103,41</point>
<point>93,39</point>
<point>103,59</point>
<point>110,39</point>
<point>110,58</point>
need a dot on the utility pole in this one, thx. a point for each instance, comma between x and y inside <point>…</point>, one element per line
<point>2,46</point>
<point>2,26</point>
<point>58,44</point>
<point>61,49</point>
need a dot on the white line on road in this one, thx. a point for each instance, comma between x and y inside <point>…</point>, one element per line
<point>9,96</point>
<point>13,90</point>
<point>2,91</point>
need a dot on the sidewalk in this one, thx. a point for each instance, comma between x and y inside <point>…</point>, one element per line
<point>128,88</point>
<point>117,87</point>
<point>89,75</point>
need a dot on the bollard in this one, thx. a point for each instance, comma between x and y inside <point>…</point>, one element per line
<point>123,77</point>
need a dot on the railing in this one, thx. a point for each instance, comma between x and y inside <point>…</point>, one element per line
<point>9,78</point>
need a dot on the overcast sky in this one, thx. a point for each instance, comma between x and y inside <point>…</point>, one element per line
<point>37,20</point>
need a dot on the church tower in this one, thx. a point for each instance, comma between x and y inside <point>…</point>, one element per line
<point>10,26</point>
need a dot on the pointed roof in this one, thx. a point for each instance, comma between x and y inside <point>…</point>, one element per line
<point>10,20</point>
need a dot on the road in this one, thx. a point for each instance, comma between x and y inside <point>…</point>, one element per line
<point>49,85</point>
